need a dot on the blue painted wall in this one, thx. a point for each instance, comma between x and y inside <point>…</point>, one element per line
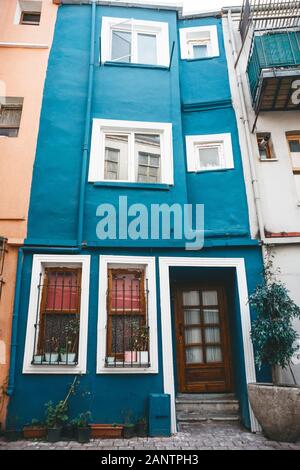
<point>129,93</point>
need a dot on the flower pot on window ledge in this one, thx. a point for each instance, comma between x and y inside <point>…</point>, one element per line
<point>130,356</point>
<point>110,360</point>
<point>143,357</point>
<point>38,359</point>
<point>68,358</point>
<point>51,358</point>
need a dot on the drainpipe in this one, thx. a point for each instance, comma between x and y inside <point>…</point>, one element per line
<point>87,128</point>
<point>246,125</point>
<point>15,321</point>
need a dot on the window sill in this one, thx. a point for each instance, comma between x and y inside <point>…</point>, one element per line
<point>198,59</point>
<point>54,369</point>
<point>110,184</point>
<point>217,170</point>
<point>133,65</point>
<point>263,160</point>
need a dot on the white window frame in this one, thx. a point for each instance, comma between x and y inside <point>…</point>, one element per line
<point>101,127</point>
<point>186,44</point>
<point>39,263</point>
<point>223,141</point>
<point>157,28</point>
<point>150,274</point>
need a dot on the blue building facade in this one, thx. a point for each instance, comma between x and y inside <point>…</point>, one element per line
<point>136,110</point>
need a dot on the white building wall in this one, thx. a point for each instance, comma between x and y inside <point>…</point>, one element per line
<point>277,196</point>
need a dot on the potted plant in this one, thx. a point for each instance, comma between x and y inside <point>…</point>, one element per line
<point>38,358</point>
<point>35,430</point>
<point>276,406</point>
<point>142,428</point>
<point>82,425</point>
<point>51,357</point>
<point>128,427</point>
<point>141,344</point>
<point>71,331</point>
<point>106,431</point>
<point>56,417</point>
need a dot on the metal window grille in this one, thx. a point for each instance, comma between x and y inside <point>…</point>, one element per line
<point>128,330</point>
<point>57,326</point>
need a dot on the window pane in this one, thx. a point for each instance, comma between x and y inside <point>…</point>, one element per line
<point>127,292</point>
<point>121,46</point>
<point>210,297</point>
<point>191,298</point>
<point>200,51</point>
<point>294,145</point>
<point>213,354</point>
<point>148,151</point>
<point>147,49</point>
<point>193,336</point>
<point>192,317</point>
<point>63,292</point>
<point>122,334</point>
<point>212,335</point>
<point>209,157</point>
<point>194,355</point>
<point>116,157</point>
<point>9,132</point>
<point>30,17</point>
<point>10,116</point>
<point>211,316</point>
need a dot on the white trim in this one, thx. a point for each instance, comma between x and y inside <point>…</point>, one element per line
<point>197,33</point>
<point>192,141</point>
<point>166,321</point>
<point>97,154</point>
<point>160,29</point>
<point>149,263</point>
<point>37,266</point>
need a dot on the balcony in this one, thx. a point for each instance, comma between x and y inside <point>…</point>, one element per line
<point>274,69</point>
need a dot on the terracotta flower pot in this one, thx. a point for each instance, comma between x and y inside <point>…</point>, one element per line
<point>106,431</point>
<point>34,432</point>
<point>277,409</point>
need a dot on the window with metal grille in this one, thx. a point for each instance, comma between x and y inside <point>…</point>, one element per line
<point>10,116</point>
<point>127,319</point>
<point>58,317</point>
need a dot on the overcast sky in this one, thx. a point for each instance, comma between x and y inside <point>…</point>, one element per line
<point>208,5</point>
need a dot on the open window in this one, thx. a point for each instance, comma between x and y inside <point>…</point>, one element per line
<point>135,41</point>
<point>199,42</point>
<point>127,319</point>
<point>294,149</point>
<point>57,318</point>
<point>265,146</point>
<point>133,152</point>
<point>209,152</point>
<point>28,12</point>
<point>10,116</point>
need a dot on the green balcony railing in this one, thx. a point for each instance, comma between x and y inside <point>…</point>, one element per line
<point>272,51</point>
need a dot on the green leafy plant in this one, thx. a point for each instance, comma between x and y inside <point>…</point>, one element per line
<point>82,420</point>
<point>71,332</point>
<point>273,335</point>
<point>141,338</point>
<point>56,415</point>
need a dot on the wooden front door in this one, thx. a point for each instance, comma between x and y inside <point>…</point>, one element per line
<point>203,350</point>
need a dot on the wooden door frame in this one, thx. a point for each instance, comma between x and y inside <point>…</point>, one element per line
<point>178,288</point>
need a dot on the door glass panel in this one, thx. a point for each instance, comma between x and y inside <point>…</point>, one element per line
<point>211,316</point>
<point>212,335</point>
<point>192,317</point>
<point>147,49</point>
<point>193,336</point>
<point>210,297</point>
<point>191,298</point>
<point>213,354</point>
<point>194,355</point>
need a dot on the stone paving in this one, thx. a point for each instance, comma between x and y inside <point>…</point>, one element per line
<point>192,437</point>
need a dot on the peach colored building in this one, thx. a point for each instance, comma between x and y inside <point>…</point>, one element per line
<point>26,33</point>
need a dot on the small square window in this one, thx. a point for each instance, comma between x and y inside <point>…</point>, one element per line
<point>28,12</point>
<point>265,147</point>
<point>32,18</point>
<point>10,116</point>
<point>211,152</point>
<point>199,42</point>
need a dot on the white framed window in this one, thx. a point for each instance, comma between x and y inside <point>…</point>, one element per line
<point>199,42</point>
<point>127,316</point>
<point>135,41</point>
<point>131,152</point>
<point>209,152</point>
<point>57,324</point>
<point>28,12</point>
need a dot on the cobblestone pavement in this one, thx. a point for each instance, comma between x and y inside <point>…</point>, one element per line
<point>192,437</point>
